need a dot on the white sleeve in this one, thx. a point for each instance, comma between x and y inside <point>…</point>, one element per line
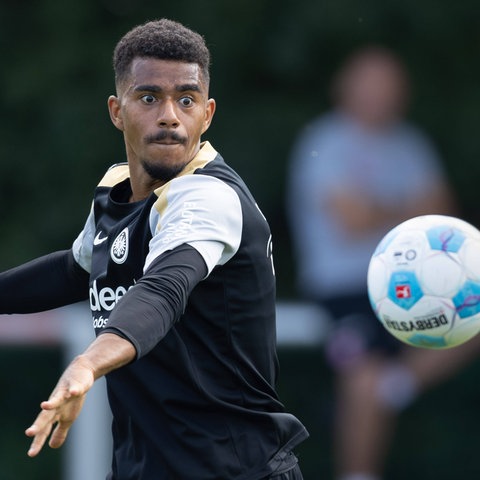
<point>83,244</point>
<point>199,210</point>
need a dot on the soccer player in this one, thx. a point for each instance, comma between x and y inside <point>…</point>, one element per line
<point>175,258</point>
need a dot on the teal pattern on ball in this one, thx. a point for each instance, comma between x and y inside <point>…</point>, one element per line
<point>467,300</point>
<point>445,238</point>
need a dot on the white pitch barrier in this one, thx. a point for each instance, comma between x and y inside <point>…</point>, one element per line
<point>88,450</point>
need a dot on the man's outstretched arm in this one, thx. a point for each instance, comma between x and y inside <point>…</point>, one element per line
<point>47,282</point>
<point>139,321</point>
<point>105,354</point>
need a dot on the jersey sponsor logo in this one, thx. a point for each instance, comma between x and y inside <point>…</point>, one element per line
<point>106,298</point>
<point>99,322</point>
<point>98,240</point>
<point>119,250</point>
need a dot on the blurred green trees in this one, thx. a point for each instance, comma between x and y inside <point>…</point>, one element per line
<point>272,62</point>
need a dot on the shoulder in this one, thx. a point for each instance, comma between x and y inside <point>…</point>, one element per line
<point>195,190</point>
<point>115,174</point>
<point>199,210</point>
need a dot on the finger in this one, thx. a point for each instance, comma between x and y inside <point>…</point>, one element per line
<point>76,389</point>
<point>37,445</point>
<point>39,438</point>
<point>52,403</point>
<point>59,397</point>
<point>40,429</point>
<point>59,435</point>
<point>45,419</point>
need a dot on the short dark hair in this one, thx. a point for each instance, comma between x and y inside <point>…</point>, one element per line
<point>162,39</point>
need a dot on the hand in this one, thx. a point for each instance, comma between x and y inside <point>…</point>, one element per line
<point>105,354</point>
<point>356,212</point>
<point>62,408</point>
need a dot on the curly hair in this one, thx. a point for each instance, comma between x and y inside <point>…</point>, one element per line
<point>164,40</point>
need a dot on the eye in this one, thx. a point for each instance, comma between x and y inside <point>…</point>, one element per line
<point>186,101</point>
<point>148,99</point>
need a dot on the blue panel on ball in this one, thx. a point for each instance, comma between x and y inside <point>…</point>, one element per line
<point>421,340</point>
<point>467,300</point>
<point>404,289</point>
<point>445,238</point>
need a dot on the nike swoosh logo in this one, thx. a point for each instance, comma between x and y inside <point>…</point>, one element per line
<point>97,240</point>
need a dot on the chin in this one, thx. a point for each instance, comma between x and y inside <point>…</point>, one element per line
<point>162,171</point>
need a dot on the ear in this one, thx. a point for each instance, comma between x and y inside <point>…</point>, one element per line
<point>114,108</point>
<point>209,112</point>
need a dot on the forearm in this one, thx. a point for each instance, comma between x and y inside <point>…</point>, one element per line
<point>47,282</point>
<point>150,308</point>
<point>360,213</point>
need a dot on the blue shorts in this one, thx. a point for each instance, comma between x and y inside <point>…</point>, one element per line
<point>356,330</point>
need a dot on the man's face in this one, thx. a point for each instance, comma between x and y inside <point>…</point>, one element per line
<point>376,92</point>
<point>162,109</point>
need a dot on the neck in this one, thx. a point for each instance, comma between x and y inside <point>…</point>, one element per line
<point>142,184</point>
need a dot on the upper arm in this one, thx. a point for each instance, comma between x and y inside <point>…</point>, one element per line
<point>201,211</point>
<point>83,245</point>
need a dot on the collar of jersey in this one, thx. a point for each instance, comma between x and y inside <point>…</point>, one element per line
<point>205,155</point>
<point>120,172</point>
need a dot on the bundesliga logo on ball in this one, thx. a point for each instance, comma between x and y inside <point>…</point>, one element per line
<point>424,281</point>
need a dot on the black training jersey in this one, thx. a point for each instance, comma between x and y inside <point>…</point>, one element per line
<point>201,403</point>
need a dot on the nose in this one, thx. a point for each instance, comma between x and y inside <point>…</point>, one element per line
<point>167,116</point>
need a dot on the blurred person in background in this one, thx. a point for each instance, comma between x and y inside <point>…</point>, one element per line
<point>356,172</point>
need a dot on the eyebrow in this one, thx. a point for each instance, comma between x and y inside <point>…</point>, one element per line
<point>187,87</point>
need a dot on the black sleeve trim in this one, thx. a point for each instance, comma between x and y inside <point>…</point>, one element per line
<point>47,282</point>
<point>149,309</point>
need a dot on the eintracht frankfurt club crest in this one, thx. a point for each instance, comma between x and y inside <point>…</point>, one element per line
<point>119,250</point>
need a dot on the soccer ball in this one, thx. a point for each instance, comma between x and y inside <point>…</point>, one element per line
<point>424,281</point>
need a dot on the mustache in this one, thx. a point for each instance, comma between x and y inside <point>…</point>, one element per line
<point>163,135</point>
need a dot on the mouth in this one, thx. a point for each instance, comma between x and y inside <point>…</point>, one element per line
<point>167,143</point>
<point>166,146</point>
<point>165,138</point>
